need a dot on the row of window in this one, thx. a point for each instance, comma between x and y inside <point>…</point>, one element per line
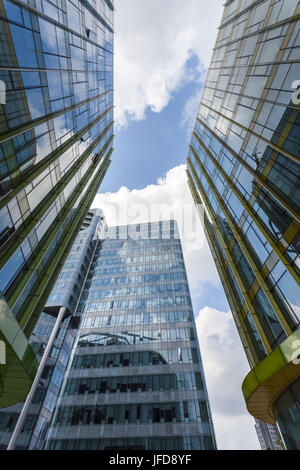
<point>174,412</point>
<point>139,259</point>
<point>134,233</point>
<point>273,326</point>
<point>145,303</point>
<point>136,358</point>
<point>128,251</point>
<point>135,269</point>
<point>143,383</point>
<point>136,290</point>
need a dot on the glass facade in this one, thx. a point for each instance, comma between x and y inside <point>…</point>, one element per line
<point>135,379</point>
<point>65,293</point>
<point>243,168</point>
<point>288,411</point>
<point>34,430</point>
<point>56,132</point>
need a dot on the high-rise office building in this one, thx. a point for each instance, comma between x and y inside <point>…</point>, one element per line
<point>56,137</point>
<point>65,294</point>
<point>135,379</point>
<point>243,171</point>
<point>268,436</point>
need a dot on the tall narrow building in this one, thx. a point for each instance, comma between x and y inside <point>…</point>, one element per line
<point>56,132</point>
<point>243,172</point>
<point>135,379</point>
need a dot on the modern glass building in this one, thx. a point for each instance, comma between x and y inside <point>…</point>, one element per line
<point>65,293</point>
<point>135,379</point>
<point>56,132</point>
<point>243,171</point>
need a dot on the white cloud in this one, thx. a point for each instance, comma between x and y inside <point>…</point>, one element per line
<point>153,42</point>
<point>225,367</point>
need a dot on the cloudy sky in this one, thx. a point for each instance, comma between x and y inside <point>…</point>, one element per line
<point>162,52</point>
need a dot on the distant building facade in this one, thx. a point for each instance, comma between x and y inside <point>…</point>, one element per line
<point>135,379</point>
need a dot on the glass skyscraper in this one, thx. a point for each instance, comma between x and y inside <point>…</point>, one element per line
<point>135,379</point>
<point>243,171</point>
<point>56,132</point>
